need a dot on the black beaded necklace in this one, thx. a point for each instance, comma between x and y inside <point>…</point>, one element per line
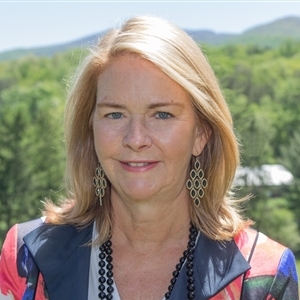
<point>105,259</point>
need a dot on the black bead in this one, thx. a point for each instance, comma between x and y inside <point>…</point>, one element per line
<point>109,251</point>
<point>108,243</point>
<point>191,250</point>
<point>109,274</point>
<point>191,244</point>
<point>193,230</point>
<point>192,236</point>
<point>101,264</point>
<point>101,272</point>
<point>190,257</point>
<point>191,280</point>
<point>106,253</point>
<point>173,280</point>
<point>175,273</point>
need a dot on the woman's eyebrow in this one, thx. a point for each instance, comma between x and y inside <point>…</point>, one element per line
<point>150,106</point>
<point>111,105</point>
<point>163,104</point>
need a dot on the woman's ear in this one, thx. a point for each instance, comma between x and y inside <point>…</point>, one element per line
<point>201,140</point>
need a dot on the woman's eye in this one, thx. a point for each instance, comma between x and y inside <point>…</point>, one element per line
<point>163,115</point>
<point>114,115</point>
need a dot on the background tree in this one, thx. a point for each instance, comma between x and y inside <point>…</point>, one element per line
<point>262,89</point>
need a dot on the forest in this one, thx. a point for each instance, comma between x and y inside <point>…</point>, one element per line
<point>261,86</point>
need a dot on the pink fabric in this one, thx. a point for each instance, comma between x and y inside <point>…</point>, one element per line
<point>12,286</point>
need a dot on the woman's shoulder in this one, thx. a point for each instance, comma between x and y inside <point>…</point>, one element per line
<point>251,241</point>
<point>273,267</point>
<point>38,230</point>
<point>264,254</point>
<point>18,274</point>
<point>15,235</point>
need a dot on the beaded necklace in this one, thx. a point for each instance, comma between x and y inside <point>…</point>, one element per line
<point>105,262</point>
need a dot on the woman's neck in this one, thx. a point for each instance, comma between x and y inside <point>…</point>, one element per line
<point>150,224</point>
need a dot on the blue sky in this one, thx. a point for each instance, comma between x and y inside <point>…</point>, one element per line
<point>26,24</point>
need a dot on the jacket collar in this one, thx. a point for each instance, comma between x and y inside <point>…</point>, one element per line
<point>63,258</point>
<point>216,264</point>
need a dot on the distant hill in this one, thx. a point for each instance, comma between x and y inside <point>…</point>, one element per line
<point>267,35</point>
<point>51,50</point>
<point>288,27</point>
<point>271,34</point>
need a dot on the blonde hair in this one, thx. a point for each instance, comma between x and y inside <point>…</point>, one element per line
<point>175,53</point>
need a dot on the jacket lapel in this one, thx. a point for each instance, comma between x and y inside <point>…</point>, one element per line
<point>216,265</point>
<point>63,257</point>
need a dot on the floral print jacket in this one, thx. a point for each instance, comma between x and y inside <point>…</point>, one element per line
<point>52,262</point>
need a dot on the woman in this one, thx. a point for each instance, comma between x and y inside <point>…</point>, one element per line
<point>151,157</point>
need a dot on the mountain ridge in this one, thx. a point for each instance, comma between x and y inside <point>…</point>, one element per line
<point>270,34</point>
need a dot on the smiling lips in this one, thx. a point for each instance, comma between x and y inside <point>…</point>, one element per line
<point>134,164</point>
<point>138,166</point>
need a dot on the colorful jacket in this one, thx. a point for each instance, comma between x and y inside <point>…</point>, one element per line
<point>56,260</point>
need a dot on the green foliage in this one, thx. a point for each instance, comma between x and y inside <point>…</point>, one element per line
<point>298,265</point>
<point>275,219</point>
<point>32,93</point>
<point>262,89</point>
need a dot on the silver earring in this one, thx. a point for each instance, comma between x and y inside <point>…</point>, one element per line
<point>100,183</point>
<point>197,183</point>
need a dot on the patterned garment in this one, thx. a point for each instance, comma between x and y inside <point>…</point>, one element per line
<point>27,269</point>
<point>272,275</point>
<point>273,272</point>
<point>19,277</point>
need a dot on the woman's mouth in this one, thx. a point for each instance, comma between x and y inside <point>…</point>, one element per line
<point>138,164</point>
<point>134,166</point>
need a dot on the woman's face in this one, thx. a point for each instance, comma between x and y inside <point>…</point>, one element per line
<point>145,130</point>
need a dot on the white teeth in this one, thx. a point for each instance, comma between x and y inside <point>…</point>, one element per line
<point>138,164</point>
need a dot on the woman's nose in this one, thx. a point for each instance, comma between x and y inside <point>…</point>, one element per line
<point>137,135</point>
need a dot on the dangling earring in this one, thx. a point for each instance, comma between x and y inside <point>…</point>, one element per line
<point>197,183</point>
<point>100,183</point>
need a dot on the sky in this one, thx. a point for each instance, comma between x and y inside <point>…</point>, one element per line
<point>26,24</point>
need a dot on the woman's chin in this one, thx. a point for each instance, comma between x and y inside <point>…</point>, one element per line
<point>138,192</point>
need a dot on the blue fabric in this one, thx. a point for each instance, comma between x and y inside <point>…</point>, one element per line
<point>27,269</point>
<point>63,257</point>
<point>214,269</point>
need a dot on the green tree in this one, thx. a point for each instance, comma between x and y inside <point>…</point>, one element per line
<point>31,153</point>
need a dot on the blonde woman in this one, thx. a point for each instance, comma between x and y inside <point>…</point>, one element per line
<point>149,212</point>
